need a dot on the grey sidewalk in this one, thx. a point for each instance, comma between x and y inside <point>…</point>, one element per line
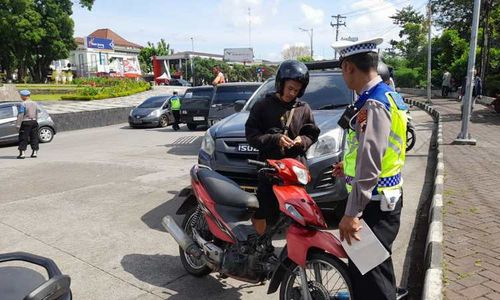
<point>471,204</point>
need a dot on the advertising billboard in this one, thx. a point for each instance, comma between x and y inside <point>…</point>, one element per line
<point>98,43</point>
<point>238,54</point>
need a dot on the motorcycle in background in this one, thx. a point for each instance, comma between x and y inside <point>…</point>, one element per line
<point>218,236</point>
<point>411,136</point>
<point>19,282</point>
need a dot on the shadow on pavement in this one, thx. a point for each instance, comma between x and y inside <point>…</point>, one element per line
<point>153,269</point>
<point>189,145</point>
<point>9,156</point>
<point>413,266</point>
<point>153,217</point>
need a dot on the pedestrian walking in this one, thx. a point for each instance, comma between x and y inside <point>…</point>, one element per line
<point>372,164</point>
<point>28,125</point>
<point>446,83</point>
<point>175,107</point>
<point>219,76</point>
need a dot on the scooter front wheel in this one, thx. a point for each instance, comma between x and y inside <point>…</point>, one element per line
<point>194,266</point>
<point>410,138</point>
<point>327,278</point>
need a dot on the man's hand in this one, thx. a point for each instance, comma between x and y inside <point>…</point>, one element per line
<point>338,169</point>
<point>297,141</point>
<point>286,142</point>
<point>349,227</point>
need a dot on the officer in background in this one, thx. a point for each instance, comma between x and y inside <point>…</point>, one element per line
<point>27,124</point>
<point>175,107</point>
<point>372,163</point>
<point>280,126</point>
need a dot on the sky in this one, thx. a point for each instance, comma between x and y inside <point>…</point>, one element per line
<point>215,25</point>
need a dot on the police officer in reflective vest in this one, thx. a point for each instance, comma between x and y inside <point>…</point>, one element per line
<point>373,160</point>
<point>175,107</point>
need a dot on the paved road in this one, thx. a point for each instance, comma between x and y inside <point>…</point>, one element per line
<point>94,198</point>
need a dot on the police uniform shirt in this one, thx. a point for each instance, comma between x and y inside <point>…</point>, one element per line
<point>27,111</point>
<point>373,126</point>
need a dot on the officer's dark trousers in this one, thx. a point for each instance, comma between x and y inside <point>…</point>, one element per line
<point>177,117</point>
<point>28,132</point>
<point>380,282</point>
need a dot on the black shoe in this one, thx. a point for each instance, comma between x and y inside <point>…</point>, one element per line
<point>34,153</point>
<point>401,293</point>
<point>21,155</point>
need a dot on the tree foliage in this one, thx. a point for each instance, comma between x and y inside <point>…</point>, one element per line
<point>234,72</point>
<point>34,33</point>
<point>294,52</point>
<point>161,48</point>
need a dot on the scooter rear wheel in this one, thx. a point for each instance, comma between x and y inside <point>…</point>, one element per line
<point>194,266</point>
<point>327,278</point>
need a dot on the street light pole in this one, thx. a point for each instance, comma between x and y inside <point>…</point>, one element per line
<point>464,137</point>
<point>191,61</point>
<point>311,33</point>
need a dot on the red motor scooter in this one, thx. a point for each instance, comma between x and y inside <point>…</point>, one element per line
<point>218,236</point>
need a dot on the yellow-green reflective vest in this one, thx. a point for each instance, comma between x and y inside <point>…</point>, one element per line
<point>394,157</point>
<point>175,103</point>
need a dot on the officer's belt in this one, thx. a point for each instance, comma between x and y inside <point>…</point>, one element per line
<point>382,182</point>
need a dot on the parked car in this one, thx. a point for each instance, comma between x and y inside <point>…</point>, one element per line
<point>195,105</point>
<point>225,149</point>
<point>9,133</point>
<point>179,82</point>
<point>225,97</point>
<point>153,112</point>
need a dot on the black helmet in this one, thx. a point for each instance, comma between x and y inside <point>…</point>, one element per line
<point>383,71</point>
<point>294,70</point>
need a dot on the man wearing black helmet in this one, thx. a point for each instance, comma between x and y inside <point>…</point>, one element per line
<point>280,126</point>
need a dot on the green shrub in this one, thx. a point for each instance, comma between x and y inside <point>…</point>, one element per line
<point>408,77</point>
<point>94,88</point>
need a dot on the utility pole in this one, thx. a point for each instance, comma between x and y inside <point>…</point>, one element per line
<point>464,137</point>
<point>310,32</point>
<point>337,24</point>
<point>429,53</point>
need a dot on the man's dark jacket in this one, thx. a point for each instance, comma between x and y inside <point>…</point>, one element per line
<point>267,122</point>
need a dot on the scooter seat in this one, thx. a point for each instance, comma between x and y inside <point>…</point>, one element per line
<point>225,191</point>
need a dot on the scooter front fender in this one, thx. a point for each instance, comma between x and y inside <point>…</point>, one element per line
<point>301,239</point>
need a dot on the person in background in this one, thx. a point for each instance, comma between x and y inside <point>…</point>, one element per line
<point>219,76</point>
<point>28,125</point>
<point>175,107</point>
<point>446,84</point>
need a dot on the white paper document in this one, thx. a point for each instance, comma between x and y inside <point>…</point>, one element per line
<point>368,252</point>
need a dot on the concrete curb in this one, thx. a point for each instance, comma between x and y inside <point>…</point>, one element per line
<point>90,118</point>
<point>433,283</point>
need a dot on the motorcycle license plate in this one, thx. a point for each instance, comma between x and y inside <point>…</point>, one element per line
<point>199,118</point>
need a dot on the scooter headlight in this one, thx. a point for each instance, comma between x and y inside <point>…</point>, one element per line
<point>301,174</point>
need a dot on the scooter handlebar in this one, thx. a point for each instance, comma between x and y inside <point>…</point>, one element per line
<point>257,163</point>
